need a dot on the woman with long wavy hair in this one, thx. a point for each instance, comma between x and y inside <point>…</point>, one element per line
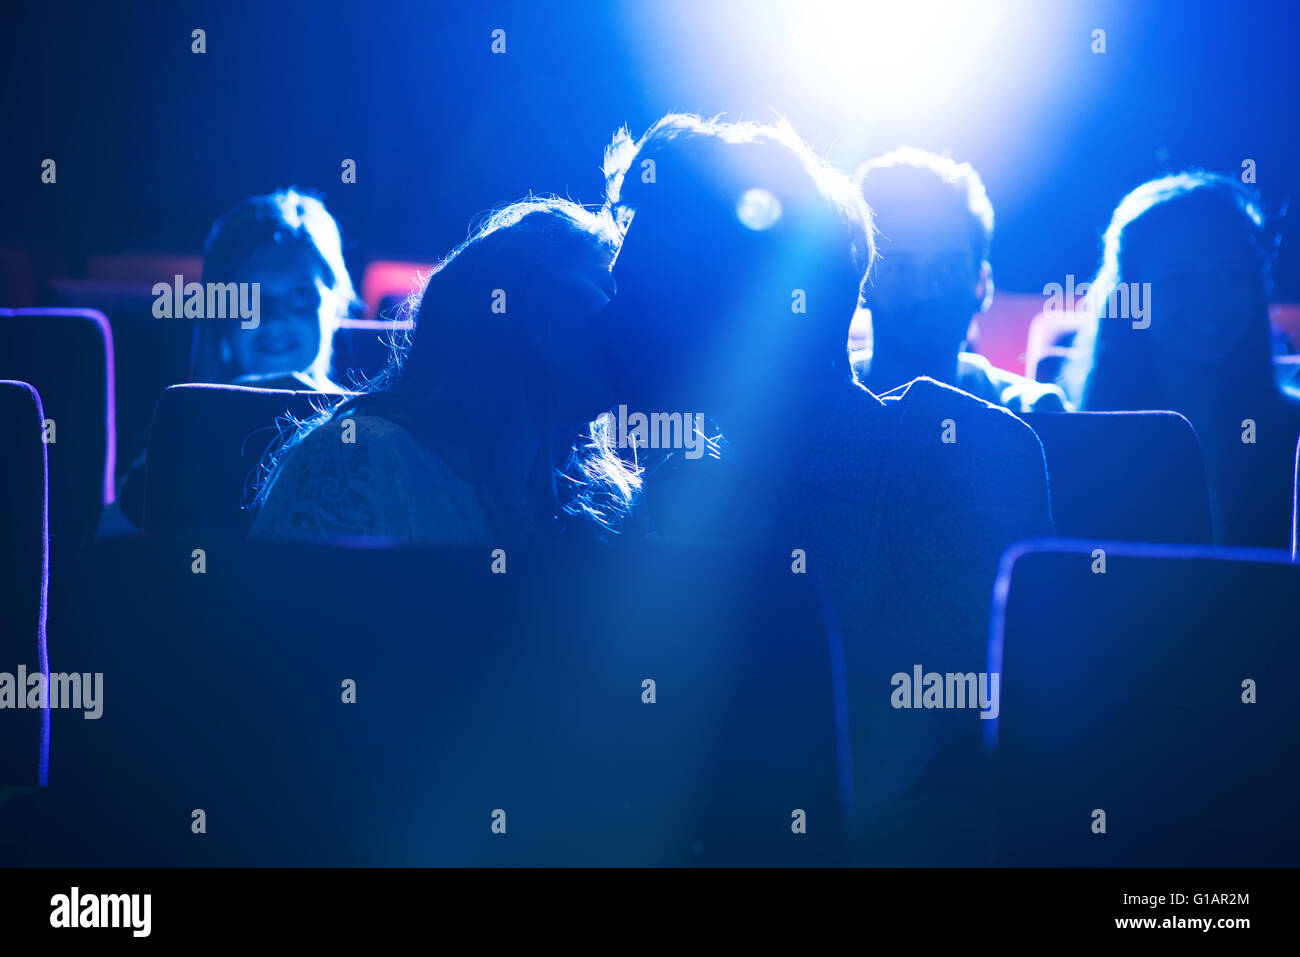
<point>473,433</point>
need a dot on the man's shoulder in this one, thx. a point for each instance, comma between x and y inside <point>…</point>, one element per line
<point>933,413</point>
<point>925,395</point>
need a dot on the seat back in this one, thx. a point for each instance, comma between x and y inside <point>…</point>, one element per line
<point>1157,691</point>
<point>67,355</point>
<point>24,743</point>
<point>361,349</point>
<point>149,353</point>
<point>523,692</point>
<point>1129,476</point>
<point>204,448</point>
<point>1295,508</point>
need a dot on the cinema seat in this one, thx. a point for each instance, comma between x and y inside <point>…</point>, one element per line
<point>149,353</point>
<point>24,744</point>
<point>1295,508</point>
<point>204,447</point>
<point>1123,691</point>
<point>67,355</point>
<point>525,692</point>
<point>1129,476</point>
<point>360,350</point>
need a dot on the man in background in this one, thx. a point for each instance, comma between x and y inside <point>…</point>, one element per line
<point>933,275</point>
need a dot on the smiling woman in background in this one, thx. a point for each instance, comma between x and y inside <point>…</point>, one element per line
<point>289,244</point>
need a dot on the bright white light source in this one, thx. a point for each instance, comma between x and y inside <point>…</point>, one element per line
<point>858,77</point>
<point>758,209</point>
<point>898,58</point>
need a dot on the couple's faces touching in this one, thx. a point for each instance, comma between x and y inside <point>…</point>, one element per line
<point>596,334</point>
<point>675,312</point>
<point>630,330</point>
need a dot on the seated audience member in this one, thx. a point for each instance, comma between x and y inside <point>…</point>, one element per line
<point>289,244</point>
<point>737,278</point>
<point>456,442</point>
<point>932,276</point>
<point>1181,322</point>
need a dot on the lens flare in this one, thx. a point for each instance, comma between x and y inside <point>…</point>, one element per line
<point>759,209</point>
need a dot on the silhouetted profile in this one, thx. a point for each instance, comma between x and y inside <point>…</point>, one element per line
<point>740,269</point>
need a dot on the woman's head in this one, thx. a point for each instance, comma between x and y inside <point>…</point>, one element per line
<point>289,245</point>
<point>512,308</point>
<point>1192,249</point>
<point>500,359</point>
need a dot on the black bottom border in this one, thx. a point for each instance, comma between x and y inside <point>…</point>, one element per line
<point>337,905</point>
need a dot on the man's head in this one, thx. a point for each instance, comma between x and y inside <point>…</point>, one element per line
<point>743,257</point>
<point>936,225</point>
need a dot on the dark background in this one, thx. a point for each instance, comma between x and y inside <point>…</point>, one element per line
<point>153,142</point>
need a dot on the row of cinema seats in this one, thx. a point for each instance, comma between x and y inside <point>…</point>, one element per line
<point>1134,476</point>
<point>523,692</point>
<point>475,692</point>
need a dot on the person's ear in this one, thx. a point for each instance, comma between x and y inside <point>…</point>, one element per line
<point>984,288</point>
